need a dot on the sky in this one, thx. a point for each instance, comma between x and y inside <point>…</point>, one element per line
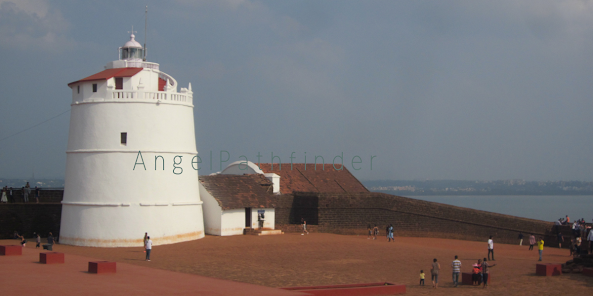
<point>477,90</point>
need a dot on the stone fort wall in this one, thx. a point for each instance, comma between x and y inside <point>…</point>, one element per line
<point>352,213</point>
<point>332,213</point>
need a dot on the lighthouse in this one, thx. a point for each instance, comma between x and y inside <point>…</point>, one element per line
<point>131,157</point>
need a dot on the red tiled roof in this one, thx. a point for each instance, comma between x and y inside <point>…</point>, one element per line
<point>110,73</point>
<point>240,191</point>
<point>305,178</point>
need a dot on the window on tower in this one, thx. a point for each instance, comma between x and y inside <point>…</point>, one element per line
<point>119,83</point>
<point>124,139</point>
<point>94,87</point>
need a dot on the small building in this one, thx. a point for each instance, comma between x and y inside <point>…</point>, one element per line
<point>233,203</point>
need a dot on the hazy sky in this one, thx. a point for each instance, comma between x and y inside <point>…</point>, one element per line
<point>434,89</point>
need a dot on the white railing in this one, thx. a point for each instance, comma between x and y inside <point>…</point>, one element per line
<point>124,95</point>
<point>140,64</point>
<point>181,98</point>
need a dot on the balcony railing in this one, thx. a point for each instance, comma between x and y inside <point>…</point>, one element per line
<point>181,98</point>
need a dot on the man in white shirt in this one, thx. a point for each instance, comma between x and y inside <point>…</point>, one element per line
<point>490,248</point>
<point>148,248</point>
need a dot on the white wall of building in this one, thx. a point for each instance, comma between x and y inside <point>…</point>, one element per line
<point>212,213</point>
<point>233,222</point>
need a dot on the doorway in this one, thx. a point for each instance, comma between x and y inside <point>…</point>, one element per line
<point>247,217</point>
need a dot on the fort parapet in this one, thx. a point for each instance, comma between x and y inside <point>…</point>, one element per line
<point>340,213</point>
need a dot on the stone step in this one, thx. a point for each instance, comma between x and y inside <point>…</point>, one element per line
<point>271,232</point>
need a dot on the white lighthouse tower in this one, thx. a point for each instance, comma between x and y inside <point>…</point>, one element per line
<point>129,159</point>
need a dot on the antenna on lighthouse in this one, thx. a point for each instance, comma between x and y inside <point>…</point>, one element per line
<point>145,26</point>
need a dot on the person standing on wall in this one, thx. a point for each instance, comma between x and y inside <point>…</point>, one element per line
<point>456,265</point>
<point>37,194</point>
<point>520,238</point>
<point>491,248</point>
<point>590,240</point>
<point>148,248</point>
<point>27,191</point>
<point>10,196</point>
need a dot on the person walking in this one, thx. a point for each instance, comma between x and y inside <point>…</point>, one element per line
<point>434,273</point>
<point>148,248</point>
<point>456,265</point>
<point>38,241</point>
<point>304,228</point>
<point>486,272</point>
<point>520,238</point>
<point>375,231</point>
<point>390,235</point>
<point>540,247</point>
<point>490,248</point>
<point>531,241</point>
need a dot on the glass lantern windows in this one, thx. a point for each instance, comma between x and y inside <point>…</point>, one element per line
<point>129,53</point>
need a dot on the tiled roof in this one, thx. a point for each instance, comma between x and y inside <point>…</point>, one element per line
<point>305,178</point>
<point>110,73</point>
<point>240,191</point>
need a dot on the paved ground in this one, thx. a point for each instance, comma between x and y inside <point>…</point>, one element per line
<point>325,259</point>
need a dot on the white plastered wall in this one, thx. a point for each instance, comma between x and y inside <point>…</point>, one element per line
<point>212,213</point>
<point>233,222</point>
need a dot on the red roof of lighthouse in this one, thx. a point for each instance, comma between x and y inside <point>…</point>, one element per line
<point>110,73</point>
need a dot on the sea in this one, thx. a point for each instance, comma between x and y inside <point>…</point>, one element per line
<point>547,207</point>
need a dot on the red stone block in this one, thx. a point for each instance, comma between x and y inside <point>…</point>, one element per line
<point>466,278</point>
<point>548,269</point>
<point>588,271</point>
<point>102,267</point>
<point>12,250</point>
<point>51,258</point>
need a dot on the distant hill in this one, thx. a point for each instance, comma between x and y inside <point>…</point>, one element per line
<point>467,187</point>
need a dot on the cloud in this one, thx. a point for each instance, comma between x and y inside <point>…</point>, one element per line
<point>33,25</point>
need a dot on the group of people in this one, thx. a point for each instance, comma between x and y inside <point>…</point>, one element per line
<point>480,272</point>
<point>532,242</point>
<point>50,239</point>
<point>374,232</point>
<point>7,194</point>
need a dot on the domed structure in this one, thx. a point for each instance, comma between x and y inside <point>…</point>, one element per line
<point>129,159</point>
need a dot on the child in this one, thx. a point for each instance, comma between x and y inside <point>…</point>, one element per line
<point>38,241</point>
<point>422,277</point>
<point>475,274</point>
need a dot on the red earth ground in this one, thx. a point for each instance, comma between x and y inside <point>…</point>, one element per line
<point>327,259</point>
